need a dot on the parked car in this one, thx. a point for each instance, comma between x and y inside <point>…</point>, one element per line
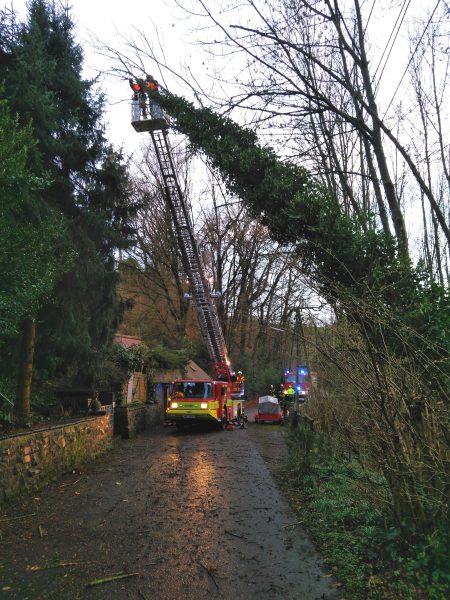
<point>269,410</point>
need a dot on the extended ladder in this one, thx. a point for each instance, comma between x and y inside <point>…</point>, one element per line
<point>208,318</point>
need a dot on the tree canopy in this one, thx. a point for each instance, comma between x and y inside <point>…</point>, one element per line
<point>29,230</point>
<point>87,187</point>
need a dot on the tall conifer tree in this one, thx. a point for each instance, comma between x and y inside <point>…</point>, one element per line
<point>41,65</point>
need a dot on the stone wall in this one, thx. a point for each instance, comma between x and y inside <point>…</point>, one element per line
<point>29,460</point>
<point>136,417</point>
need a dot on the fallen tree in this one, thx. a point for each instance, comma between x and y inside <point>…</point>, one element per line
<point>399,320</point>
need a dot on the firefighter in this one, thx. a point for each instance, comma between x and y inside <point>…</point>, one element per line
<point>139,94</point>
<point>240,377</point>
<point>280,394</point>
<point>290,394</point>
<point>151,84</point>
<point>135,87</point>
<point>282,401</point>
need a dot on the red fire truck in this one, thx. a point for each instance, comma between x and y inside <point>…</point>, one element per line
<point>298,379</point>
<point>220,399</point>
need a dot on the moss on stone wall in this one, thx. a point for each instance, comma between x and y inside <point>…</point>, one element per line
<point>30,460</point>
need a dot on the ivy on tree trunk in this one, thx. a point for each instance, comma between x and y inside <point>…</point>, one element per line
<point>25,373</point>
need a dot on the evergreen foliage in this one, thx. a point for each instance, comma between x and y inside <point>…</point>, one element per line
<point>29,231</point>
<point>121,362</point>
<point>87,186</point>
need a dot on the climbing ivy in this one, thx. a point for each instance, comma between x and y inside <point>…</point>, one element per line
<point>296,208</point>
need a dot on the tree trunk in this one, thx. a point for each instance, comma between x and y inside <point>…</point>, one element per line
<point>23,392</point>
<point>377,143</point>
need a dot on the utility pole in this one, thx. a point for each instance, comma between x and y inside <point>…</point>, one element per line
<point>294,420</point>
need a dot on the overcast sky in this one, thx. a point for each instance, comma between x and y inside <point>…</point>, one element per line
<point>111,20</point>
<point>108,20</point>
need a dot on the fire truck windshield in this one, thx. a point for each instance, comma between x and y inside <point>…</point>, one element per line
<point>290,378</point>
<point>192,389</point>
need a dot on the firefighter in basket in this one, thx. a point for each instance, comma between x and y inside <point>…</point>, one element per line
<point>140,93</point>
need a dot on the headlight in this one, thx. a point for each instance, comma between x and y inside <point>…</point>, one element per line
<point>204,405</point>
<point>174,405</point>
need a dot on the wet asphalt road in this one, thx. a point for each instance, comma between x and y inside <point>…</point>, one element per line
<point>196,515</point>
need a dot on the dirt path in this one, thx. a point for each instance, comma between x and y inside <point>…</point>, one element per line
<point>197,515</point>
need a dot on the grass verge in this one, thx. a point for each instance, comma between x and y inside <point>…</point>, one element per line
<point>345,509</point>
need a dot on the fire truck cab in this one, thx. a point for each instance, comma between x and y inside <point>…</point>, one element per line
<point>199,401</point>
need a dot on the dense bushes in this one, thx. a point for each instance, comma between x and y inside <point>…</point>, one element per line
<point>342,503</point>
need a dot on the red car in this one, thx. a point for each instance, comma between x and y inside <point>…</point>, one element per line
<point>269,411</point>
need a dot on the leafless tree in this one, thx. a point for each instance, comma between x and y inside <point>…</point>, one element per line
<point>261,282</point>
<point>429,72</point>
<point>154,277</point>
<point>306,67</point>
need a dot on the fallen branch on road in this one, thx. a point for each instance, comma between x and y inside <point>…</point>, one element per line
<point>292,524</point>
<point>19,517</point>
<point>210,574</point>
<point>241,537</point>
<point>70,483</point>
<point>115,577</point>
<point>56,565</point>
